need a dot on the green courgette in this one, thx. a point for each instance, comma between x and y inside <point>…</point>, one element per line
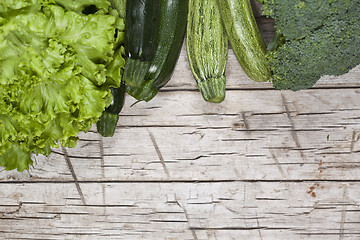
<point>207,49</point>
<point>107,123</point>
<point>110,117</point>
<point>173,18</point>
<point>245,38</point>
<point>141,31</point>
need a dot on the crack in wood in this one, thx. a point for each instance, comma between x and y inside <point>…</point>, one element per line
<point>54,151</point>
<point>238,228</point>
<point>105,206</point>
<point>245,120</point>
<point>206,114</point>
<point>315,113</point>
<point>255,155</point>
<point>213,128</point>
<point>56,216</point>
<point>194,133</point>
<point>320,99</point>
<point>17,210</point>
<point>293,129</point>
<point>230,209</point>
<point>224,153</point>
<point>168,221</point>
<point>157,149</point>
<point>269,199</point>
<point>343,166</point>
<point>187,220</point>
<point>343,215</point>
<point>102,163</point>
<point>71,168</point>
<point>102,160</point>
<point>66,213</point>
<point>236,171</point>
<point>192,159</point>
<point>258,225</point>
<point>354,139</point>
<point>278,165</point>
<point>239,139</point>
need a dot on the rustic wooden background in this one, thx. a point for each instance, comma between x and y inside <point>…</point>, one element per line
<point>264,164</point>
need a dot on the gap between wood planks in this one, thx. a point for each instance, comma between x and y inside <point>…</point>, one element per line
<point>37,181</point>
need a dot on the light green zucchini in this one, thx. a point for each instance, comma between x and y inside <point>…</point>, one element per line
<point>245,38</point>
<point>207,49</point>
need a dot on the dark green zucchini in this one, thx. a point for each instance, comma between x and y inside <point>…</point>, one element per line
<point>173,21</point>
<point>173,18</point>
<point>141,32</point>
<point>245,38</point>
<point>207,49</point>
<point>108,120</point>
<point>107,123</point>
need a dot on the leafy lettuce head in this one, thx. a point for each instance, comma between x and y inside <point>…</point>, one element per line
<point>58,59</point>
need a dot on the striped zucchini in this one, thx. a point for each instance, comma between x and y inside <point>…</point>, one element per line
<point>245,38</point>
<point>172,28</point>
<point>207,49</point>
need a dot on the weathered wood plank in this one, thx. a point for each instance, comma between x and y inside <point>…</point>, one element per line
<point>296,210</point>
<point>273,135</point>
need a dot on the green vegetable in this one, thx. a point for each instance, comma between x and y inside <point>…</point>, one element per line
<point>120,6</point>
<point>141,32</point>
<point>207,49</point>
<point>110,117</point>
<point>107,123</point>
<point>245,38</point>
<point>314,38</point>
<point>57,62</point>
<point>173,18</point>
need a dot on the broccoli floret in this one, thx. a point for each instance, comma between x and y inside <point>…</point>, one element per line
<point>313,38</point>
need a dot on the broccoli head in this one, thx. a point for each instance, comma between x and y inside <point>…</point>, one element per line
<point>313,38</point>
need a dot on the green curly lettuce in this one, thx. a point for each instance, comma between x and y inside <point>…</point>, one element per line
<point>58,60</point>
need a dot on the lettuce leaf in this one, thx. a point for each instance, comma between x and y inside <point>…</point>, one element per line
<point>58,59</point>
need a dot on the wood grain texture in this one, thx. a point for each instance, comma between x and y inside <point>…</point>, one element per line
<point>264,164</point>
<point>180,210</point>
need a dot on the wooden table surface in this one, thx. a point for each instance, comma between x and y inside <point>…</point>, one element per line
<point>264,164</point>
